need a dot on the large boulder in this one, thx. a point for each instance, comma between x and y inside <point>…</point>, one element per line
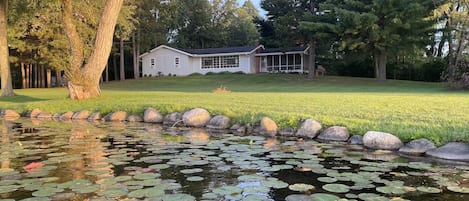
<point>84,114</point>
<point>268,127</point>
<point>33,113</point>
<point>44,116</point>
<point>196,117</point>
<point>219,122</point>
<point>152,116</point>
<point>356,140</point>
<point>309,128</point>
<point>95,116</point>
<point>66,116</point>
<point>134,118</point>
<point>417,147</point>
<point>335,133</point>
<point>172,119</point>
<point>116,116</point>
<point>451,151</point>
<point>381,140</point>
<point>10,114</point>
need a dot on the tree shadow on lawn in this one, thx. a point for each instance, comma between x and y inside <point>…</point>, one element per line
<point>20,99</point>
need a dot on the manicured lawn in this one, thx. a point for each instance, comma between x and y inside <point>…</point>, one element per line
<point>407,109</point>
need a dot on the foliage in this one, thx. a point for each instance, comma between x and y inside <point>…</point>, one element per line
<point>408,109</point>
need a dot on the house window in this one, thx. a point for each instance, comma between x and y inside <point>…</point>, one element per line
<point>152,63</point>
<point>220,62</point>
<point>176,62</point>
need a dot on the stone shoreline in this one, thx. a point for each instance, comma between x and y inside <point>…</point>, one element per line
<point>309,128</point>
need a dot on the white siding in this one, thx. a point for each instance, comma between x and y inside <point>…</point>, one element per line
<point>164,63</point>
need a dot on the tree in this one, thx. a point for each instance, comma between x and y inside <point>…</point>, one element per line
<point>5,72</point>
<point>379,26</point>
<point>192,24</point>
<point>83,79</point>
<point>242,30</point>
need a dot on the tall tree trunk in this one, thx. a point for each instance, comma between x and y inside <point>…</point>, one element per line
<point>376,60</point>
<point>36,71</point>
<point>23,76</point>
<point>58,78</point>
<point>444,35</point>
<point>138,50</point>
<point>382,61</point>
<point>312,59</point>
<point>83,81</point>
<point>28,76</point>
<point>122,60</point>
<point>43,77</point>
<point>135,56</point>
<point>5,72</point>
<point>49,78</point>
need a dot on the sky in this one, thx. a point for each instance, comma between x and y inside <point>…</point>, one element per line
<point>257,3</point>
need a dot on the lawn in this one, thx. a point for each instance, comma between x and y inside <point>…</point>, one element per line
<point>407,109</point>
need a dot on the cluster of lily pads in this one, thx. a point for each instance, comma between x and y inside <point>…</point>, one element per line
<point>109,163</point>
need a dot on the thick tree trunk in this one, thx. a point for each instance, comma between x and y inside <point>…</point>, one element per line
<point>122,60</point>
<point>382,61</point>
<point>58,78</point>
<point>36,71</point>
<point>23,76</point>
<point>135,56</point>
<point>312,59</point>
<point>83,82</point>
<point>49,78</point>
<point>43,77</point>
<point>376,60</point>
<point>5,72</point>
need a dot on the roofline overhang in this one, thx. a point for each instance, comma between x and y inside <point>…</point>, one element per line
<point>203,55</point>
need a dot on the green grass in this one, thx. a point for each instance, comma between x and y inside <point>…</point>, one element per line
<point>408,109</point>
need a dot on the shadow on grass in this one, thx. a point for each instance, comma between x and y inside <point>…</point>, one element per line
<point>20,99</point>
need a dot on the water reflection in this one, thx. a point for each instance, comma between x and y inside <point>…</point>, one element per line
<point>140,161</point>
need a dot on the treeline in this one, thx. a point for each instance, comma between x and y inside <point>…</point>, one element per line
<point>388,39</point>
<point>39,48</point>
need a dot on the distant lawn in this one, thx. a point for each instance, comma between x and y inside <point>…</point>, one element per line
<point>408,109</point>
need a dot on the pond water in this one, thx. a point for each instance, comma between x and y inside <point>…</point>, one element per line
<point>118,161</point>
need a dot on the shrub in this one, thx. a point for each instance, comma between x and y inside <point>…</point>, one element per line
<point>195,74</point>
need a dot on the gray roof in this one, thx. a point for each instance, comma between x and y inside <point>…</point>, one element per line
<point>290,49</point>
<point>220,50</point>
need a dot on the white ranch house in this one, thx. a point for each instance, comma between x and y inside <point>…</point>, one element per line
<point>165,60</point>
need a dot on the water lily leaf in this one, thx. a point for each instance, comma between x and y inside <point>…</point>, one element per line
<point>428,189</point>
<point>191,171</point>
<point>324,197</point>
<point>336,188</point>
<point>327,179</point>
<point>458,189</point>
<point>296,197</point>
<point>372,197</point>
<point>301,187</point>
<point>195,178</point>
<point>227,190</point>
<point>178,197</point>
<point>391,190</point>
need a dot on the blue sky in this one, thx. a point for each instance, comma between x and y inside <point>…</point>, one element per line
<point>257,3</point>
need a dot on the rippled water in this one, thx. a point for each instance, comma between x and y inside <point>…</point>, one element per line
<point>117,161</point>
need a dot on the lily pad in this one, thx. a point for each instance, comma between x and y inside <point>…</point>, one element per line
<point>296,197</point>
<point>195,178</point>
<point>336,188</point>
<point>372,197</point>
<point>178,197</point>
<point>191,171</point>
<point>301,187</point>
<point>458,189</point>
<point>327,179</point>
<point>428,189</point>
<point>324,197</point>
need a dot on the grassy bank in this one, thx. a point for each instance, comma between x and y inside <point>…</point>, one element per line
<point>408,109</point>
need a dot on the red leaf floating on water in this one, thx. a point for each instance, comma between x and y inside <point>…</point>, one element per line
<point>32,166</point>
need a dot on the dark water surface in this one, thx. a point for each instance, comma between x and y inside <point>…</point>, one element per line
<point>119,161</point>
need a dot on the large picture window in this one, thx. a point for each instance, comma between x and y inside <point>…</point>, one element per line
<point>220,62</point>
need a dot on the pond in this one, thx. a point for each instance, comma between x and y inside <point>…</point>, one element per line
<point>124,161</point>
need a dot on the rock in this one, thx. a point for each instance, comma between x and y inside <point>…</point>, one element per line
<point>241,129</point>
<point>56,117</point>
<point>116,116</point>
<point>44,116</point>
<point>134,118</point>
<point>309,128</point>
<point>33,113</point>
<point>152,116</point>
<point>84,114</point>
<point>335,133</point>
<point>452,151</point>
<point>356,140</point>
<point>66,116</point>
<point>380,140</point>
<point>235,127</point>
<point>197,117</point>
<point>287,131</point>
<point>219,122</point>
<point>10,114</point>
<point>172,119</point>
<point>268,127</point>
<point>417,147</point>
<point>94,117</point>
